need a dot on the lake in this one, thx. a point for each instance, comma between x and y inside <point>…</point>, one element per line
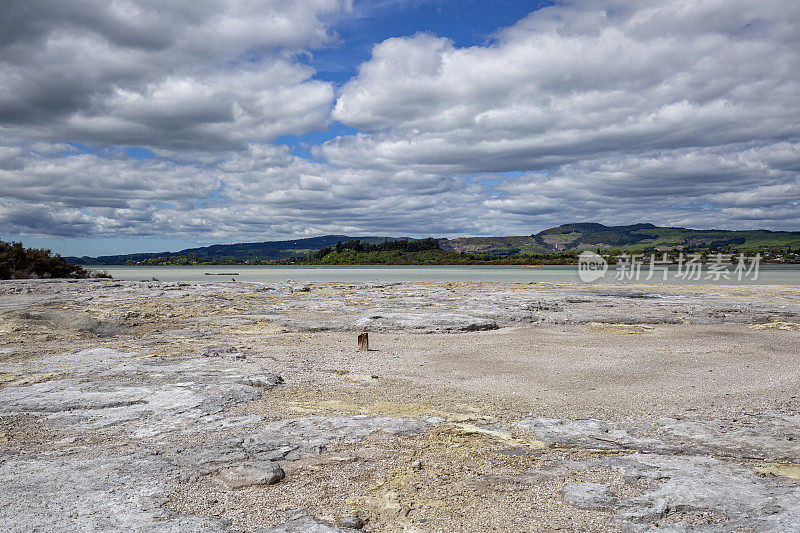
<point>768,274</point>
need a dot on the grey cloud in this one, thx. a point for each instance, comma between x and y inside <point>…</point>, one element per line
<point>266,192</point>
<point>200,74</point>
<point>712,187</point>
<point>259,193</point>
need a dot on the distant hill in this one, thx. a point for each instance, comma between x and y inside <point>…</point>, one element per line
<point>567,237</point>
<point>249,251</point>
<point>590,235</point>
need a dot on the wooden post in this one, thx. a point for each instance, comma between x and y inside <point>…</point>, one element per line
<point>363,342</point>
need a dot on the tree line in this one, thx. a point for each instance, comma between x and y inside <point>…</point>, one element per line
<point>356,245</point>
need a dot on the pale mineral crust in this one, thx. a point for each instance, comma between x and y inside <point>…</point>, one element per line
<point>216,406</point>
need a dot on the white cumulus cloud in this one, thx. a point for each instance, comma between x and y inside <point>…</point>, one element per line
<point>575,81</point>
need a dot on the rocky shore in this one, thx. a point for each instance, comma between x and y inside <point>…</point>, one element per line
<point>224,406</point>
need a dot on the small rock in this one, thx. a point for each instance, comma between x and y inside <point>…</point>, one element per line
<point>352,522</point>
<point>264,381</point>
<point>222,351</point>
<point>588,495</point>
<point>294,514</point>
<point>250,474</point>
<point>416,465</point>
<point>302,524</point>
<point>187,476</point>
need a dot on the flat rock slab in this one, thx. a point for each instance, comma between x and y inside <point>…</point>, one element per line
<point>774,438</point>
<point>120,492</point>
<point>298,437</point>
<point>251,474</point>
<point>137,405</point>
<point>743,499</point>
<point>588,495</point>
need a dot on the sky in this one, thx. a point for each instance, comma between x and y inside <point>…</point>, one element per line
<point>143,125</point>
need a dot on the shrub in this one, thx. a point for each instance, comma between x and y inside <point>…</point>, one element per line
<point>18,262</point>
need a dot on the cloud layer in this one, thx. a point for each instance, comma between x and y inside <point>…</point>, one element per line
<point>569,83</point>
<point>204,74</point>
<point>674,112</point>
<point>244,194</point>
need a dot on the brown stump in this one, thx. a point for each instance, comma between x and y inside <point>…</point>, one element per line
<point>363,342</point>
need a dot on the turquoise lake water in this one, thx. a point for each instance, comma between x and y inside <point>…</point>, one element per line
<point>768,274</point>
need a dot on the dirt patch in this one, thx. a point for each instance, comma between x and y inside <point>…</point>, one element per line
<point>18,379</point>
<point>620,329</point>
<point>791,471</point>
<point>785,326</point>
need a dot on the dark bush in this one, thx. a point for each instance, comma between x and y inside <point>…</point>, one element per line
<point>17,262</point>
